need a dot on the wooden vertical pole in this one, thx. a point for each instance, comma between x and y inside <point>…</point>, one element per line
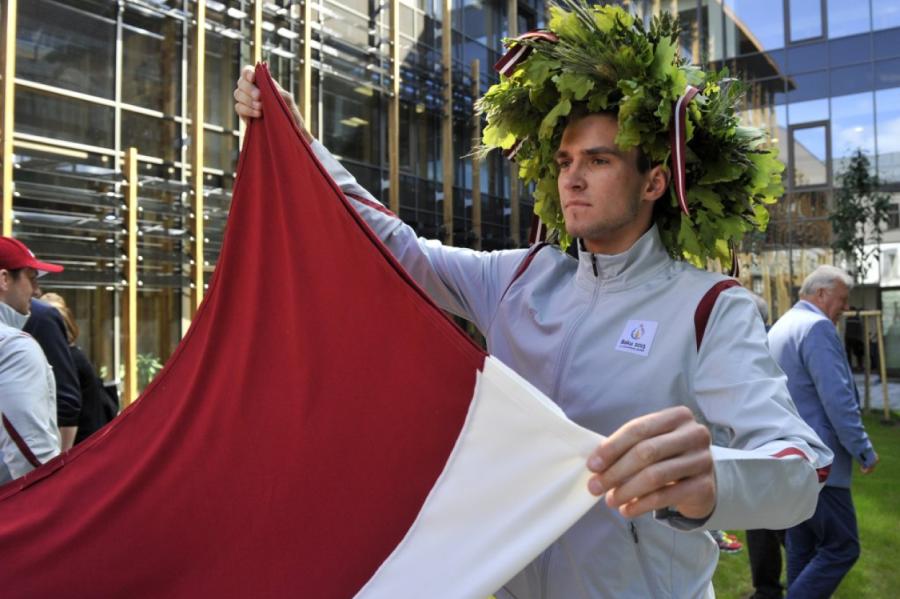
<point>9,112</point>
<point>447,121</point>
<point>305,104</point>
<point>197,118</point>
<point>129,308</point>
<point>512,15</point>
<point>476,163</point>
<point>394,112</point>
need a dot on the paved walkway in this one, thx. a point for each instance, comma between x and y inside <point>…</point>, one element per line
<point>877,398</point>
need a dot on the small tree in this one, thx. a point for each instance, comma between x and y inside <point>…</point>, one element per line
<point>860,210</point>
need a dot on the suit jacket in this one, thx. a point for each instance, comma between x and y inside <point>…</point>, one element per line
<point>806,345</point>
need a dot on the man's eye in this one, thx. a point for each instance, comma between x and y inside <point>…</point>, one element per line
<point>600,161</point>
<point>562,165</point>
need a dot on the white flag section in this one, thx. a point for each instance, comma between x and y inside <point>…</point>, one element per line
<point>515,481</point>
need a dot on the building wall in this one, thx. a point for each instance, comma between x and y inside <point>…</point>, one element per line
<point>94,77</point>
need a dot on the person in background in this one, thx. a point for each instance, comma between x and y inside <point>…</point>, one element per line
<point>806,344</point>
<point>47,327</point>
<point>763,545</point>
<point>97,407</point>
<point>29,436</point>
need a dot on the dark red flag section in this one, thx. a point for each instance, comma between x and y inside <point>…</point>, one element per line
<point>292,438</point>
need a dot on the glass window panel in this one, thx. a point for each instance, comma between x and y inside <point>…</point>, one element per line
<point>850,50</point>
<point>151,62</point>
<point>809,111</point>
<point>806,19</point>
<point>887,43</point>
<point>885,14</point>
<point>814,233</point>
<point>223,66</point>
<point>151,136</point>
<point>753,25</point>
<point>887,104</point>
<point>220,150</point>
<point>352,128</point>
<point>810,149</point>
<point>808,57</point>
<point>63,118</point>
<point>887,74</point>
<point>890,302</point>
<point>847,18</point>
<point>811,204</point>
<point>851,80</point>
<point>852,128</point>
<point>809,86</point>
<point>66,47</point>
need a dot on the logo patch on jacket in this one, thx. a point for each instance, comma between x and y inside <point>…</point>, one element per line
<point>637,338</point>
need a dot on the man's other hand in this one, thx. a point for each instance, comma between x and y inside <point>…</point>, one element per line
<point>871,467</point>
<point>661,460</point>
<point>248,105</point>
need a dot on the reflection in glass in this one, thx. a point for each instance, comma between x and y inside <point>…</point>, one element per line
<point>885,15</point>
<point>887,73</point>
<point>887,104</point>
<point>847,18</point>
<point>809,111</point>
<point>753,25</point>
<point>808,57</point>
<point>810,204</point>
<point>67,47</point>
<point>851,80</point>
<point>850,50</point>
<point>852,128</point>
<point>151,62</point>
<point>806,19</point>
<point>809,156</point>
<point>809,86</point>
<point>63,118</point>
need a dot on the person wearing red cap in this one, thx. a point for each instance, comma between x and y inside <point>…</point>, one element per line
<point>29,436</point>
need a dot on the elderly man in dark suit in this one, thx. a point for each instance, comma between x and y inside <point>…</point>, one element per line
<point>806,345</point>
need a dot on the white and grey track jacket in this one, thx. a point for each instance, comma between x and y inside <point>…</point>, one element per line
<point>611,338</point>
<point>28,433</point>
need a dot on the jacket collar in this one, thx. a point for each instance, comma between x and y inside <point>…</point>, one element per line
<point>12,318</point>
<point>638,263</point>
<point>809,306</point>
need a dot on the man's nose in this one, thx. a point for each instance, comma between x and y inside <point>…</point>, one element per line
<point>573,178</point>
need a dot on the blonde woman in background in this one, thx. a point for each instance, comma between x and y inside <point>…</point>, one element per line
<point>97,406</point>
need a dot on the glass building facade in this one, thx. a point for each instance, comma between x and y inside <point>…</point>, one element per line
<point>95,77</point>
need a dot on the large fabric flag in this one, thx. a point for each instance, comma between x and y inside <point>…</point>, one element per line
<point>323,430</point>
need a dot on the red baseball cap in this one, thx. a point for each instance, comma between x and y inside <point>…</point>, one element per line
<point>14,255</point>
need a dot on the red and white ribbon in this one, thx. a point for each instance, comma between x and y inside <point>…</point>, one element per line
<point>510,154</point>
<point>538,233</point>
<point>517,52</point>
<point>678,140</point>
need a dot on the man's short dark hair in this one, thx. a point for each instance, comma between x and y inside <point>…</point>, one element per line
<point>14,273</point>
<point>580,111</point>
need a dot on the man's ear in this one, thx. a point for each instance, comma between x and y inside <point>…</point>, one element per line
<point>657,183</point>
<point>4,280</point>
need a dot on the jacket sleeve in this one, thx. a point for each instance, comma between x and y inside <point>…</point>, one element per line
<point>462,281</point>
<point>771,473</point>
<point>47,327</point>
<point>23,401</point>
<point>826,364</point>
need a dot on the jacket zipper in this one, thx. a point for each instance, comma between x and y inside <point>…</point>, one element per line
<point>564,348</point>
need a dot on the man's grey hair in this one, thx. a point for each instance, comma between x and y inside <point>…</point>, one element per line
<point>824,277</point>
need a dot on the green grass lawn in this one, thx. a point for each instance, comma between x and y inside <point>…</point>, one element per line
<point>877,500</point>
